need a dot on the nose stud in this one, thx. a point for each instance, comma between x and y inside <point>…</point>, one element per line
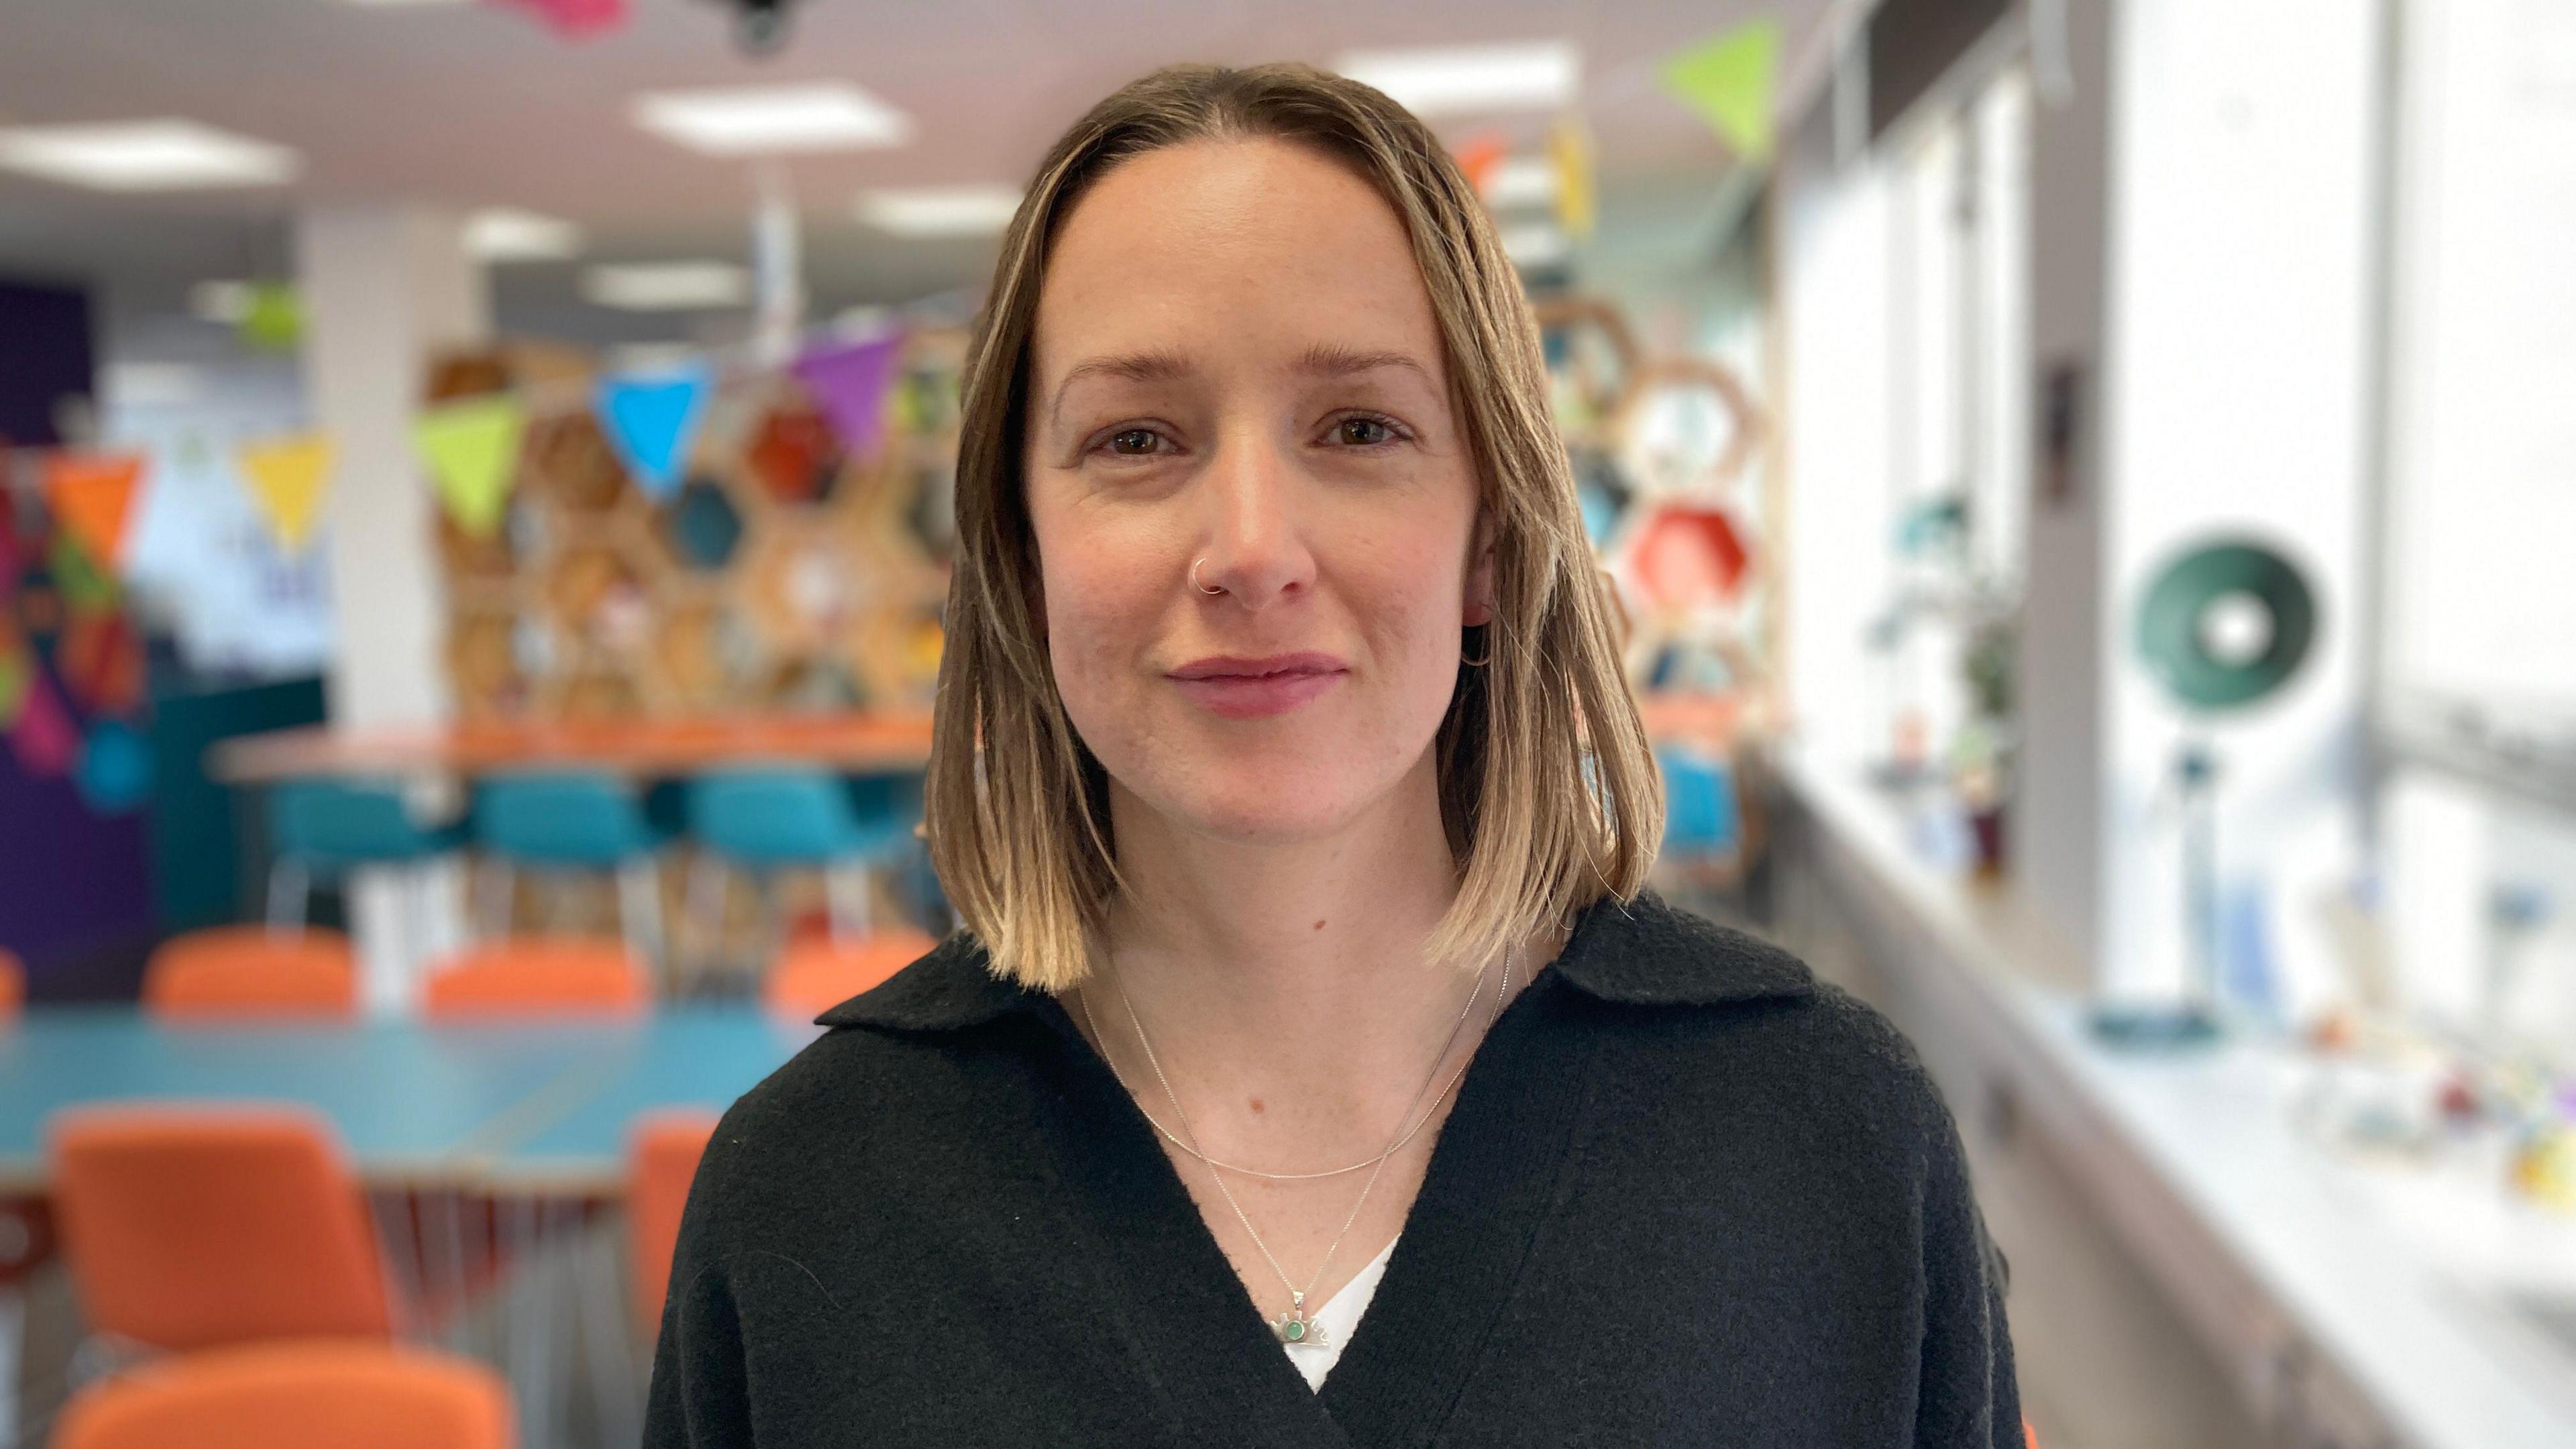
<point>1194,578</point>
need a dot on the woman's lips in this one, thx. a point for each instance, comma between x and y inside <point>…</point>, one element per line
<point>1247,696</point>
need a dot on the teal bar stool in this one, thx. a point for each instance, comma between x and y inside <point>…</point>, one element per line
<point>1702,816</point>
<point>577,822</point>
<point>320,831</point>
<point>764,820</point>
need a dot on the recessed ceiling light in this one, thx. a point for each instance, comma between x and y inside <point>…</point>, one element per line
<point>667,286</point>
<point>1534,244</point>
<point>153,384</point>
<point>652,356</point>
<point>1472,79</point>
<point>226,302</point>
<point>767,120</point>
<point>161,155</point>
<point>1521,181</point>
<point>501,234</point>
<point>974,210</point>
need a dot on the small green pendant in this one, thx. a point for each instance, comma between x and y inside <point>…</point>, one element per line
<point>1295,1332</point>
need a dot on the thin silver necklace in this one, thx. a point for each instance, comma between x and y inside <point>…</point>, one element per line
<point>1419,1121</point>
<point>1292,1326</point>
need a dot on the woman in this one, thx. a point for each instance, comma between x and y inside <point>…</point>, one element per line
<point>1314,1066</point>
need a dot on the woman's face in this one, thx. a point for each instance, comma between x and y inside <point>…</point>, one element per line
<point>1236,365</point>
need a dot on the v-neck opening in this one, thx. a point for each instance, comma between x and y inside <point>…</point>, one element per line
<point>1486,1191</point>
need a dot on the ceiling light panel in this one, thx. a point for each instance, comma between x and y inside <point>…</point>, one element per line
<point>157,155</point>
<point>667,286</point>
<point>502,234</point>
<point>975,210</point>
<point>1472,80</point>
<point>1521,181</point>
<point>773,120</point>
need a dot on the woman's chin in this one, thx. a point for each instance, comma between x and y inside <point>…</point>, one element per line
<point>1265,813</point>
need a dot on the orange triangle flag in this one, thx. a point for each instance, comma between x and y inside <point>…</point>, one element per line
<point>92,495</point>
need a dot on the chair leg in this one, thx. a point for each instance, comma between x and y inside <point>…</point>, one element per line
<point>617,1397</point>
<point>493,920</point>
<point>774,932</point>
<point>845,885</point>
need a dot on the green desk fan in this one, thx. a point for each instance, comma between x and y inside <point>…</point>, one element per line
<point>2222,626</point>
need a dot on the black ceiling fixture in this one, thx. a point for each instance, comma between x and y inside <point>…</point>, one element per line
<point>760,26</point>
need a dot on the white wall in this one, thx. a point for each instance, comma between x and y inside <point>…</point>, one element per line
<point>2235,371</point>
<point>1834,272</point>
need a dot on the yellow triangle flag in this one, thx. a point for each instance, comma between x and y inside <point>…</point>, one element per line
<point>1569,150</point>
<point>1729,79</point>
<point>288,478</point>
<point>472,449</point>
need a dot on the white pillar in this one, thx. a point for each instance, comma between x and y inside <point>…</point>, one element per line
<point>385,285</point>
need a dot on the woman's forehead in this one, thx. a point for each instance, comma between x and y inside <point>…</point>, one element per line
<point>1214,249</point>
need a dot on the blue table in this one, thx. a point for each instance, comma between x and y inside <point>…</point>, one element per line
<point>543,1106</point>
<point>703,1056</point>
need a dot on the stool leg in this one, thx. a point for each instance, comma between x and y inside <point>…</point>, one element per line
<point>639,904</point>
<point>705,909</point>
<point>285,869</point>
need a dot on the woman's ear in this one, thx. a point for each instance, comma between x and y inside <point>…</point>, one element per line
<point>1477,607</point>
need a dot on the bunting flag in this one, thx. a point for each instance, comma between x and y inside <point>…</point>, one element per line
<point>1569,151</point>
<point>81,585</point>
<point>472,449</point>
<point>274,320</point>
<point>1478,155</point>
<point>577,19</point>
<point>92,496</point>
<point>652,419</point>
<point>114,771</point>
<point>42,736</point>
<point>17,670</point>
<point>850,385</point>
<point>287,478</point>
<point>1730,79</point>
<point>100,659</point>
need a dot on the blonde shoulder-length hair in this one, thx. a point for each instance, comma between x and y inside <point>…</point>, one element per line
<point>1548,788</point>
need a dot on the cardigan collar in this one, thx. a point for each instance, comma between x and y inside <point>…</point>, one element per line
<point>1643,952</point>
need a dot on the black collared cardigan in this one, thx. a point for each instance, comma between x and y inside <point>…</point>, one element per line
<point>1688,1195</point>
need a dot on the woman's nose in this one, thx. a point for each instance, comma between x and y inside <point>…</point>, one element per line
<point>1255,548</point>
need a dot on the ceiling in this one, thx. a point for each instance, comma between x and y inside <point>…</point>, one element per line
<point>476,105</point>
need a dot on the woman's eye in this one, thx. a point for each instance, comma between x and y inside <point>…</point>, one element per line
<point>1366,432</point>
<point>1141,439</point>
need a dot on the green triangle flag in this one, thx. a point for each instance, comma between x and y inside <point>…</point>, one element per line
<point>1730,79</point>
<point>16,666</point>
<point>472,449</point>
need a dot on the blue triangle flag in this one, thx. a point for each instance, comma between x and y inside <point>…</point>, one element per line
<point>651,419</point>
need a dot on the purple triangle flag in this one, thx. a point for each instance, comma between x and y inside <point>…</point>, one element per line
<point>849,384</point>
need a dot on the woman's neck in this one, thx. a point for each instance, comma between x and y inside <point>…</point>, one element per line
<point>1283,985</point>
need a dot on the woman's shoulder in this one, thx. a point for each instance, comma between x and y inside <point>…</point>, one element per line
<point>1717,1002</point>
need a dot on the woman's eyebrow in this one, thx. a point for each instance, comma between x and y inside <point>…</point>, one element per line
<point>1323,359</point>
<point>1133,366</point>
<point>1331,359</point>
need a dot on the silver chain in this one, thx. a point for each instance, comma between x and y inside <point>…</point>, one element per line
<point>1296,1295</point>
<point>1419,1122</point>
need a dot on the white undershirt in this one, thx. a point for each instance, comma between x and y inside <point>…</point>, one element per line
<point>1338,1317</point>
